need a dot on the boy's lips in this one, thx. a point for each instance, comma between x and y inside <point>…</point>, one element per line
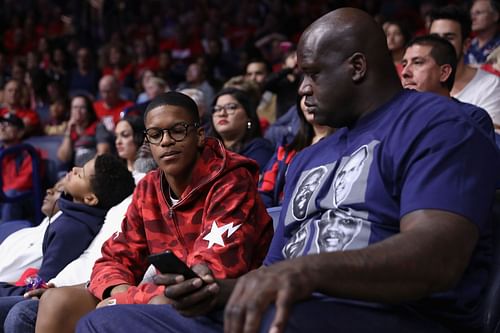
<point>168,155</point>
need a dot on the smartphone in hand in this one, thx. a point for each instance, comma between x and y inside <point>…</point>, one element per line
<point>168,263</point>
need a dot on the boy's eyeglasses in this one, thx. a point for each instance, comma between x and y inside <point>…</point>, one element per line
<point>230,108</point>
<point>177,133</point>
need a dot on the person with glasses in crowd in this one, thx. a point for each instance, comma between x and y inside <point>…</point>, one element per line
<point>201,203</point>
<point>236,124</point>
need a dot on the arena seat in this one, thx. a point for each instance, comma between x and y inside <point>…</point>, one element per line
<point>49,144</point>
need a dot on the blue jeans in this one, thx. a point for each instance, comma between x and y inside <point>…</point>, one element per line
<point>315,315</point>
<point>22,317</point>
<point>6,304</point>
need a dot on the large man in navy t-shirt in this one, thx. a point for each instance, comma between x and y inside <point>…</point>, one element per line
<point>385,224</point>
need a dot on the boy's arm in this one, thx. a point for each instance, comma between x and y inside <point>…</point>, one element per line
<point>123,257</point>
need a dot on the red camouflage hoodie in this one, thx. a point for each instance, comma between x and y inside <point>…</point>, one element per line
<point>219,220</point>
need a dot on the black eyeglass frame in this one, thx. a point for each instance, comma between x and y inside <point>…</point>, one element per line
<point>168,130</point>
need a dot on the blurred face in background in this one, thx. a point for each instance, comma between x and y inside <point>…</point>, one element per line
<point>125,145</point>
<point>483,16</point>
<point>395,37</point>
<point>79,110</point>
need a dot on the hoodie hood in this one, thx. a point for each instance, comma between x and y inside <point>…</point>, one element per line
<point>80,213</point>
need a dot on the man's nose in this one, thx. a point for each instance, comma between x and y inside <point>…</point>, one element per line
<point>305,88</point>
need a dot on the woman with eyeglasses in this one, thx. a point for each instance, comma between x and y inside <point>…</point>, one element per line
<point>235,123</point>
<point>129,136</point>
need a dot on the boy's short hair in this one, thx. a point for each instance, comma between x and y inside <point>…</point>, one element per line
<point>112,182</point>
<point>453,13</point>
<point>177,99</point>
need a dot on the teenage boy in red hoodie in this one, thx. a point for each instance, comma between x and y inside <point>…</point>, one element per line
<point>202,203</point>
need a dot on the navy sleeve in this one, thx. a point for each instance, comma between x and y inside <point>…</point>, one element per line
<point>66,241</point>
<point>7,289</point>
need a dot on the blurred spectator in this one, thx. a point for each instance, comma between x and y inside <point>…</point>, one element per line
<point>144,77</point>
<point>196,78</point>
<point>85,76</point>
<point>257,71</point>
<point>84,136</point>
<point>272,183</point>
<point>284,83</point>
<point>58,120</point>
<point>154,86</point>
<point>129,137</point>
<point>16,171</point>
<point>119,66</point>
<point>110,106</point>
<point>397,36</point>
<point>485,15</point>
<point>12,105</point>
<point>472,85</point>
<point>198,97</point>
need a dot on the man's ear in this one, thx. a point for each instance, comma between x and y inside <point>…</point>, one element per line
<point>90,199</point>
<point>357,64</point>
<point>200,134</point>
<point>445,72</point>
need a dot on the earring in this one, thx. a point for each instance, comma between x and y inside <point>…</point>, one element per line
<point>249,124</point>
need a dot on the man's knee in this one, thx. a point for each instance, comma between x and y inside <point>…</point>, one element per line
<point>22,317</point>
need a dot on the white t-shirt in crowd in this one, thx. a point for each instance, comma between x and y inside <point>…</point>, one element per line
<point>23,249</point>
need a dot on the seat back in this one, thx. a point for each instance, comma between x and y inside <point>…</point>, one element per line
<point>53,166</point>
<point>274,212</point>
<point>36,189</point>
<point>491,300</point>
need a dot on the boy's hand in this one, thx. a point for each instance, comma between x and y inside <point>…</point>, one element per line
<point>191,297</point>
<point>37,293</point>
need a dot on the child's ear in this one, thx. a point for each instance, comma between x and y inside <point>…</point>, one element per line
<point>90,199</point>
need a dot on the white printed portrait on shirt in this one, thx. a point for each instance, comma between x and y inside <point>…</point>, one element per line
<point>347,175</point>
<point>336,230</point>
<point>305,190</point>
<point>297,243</point>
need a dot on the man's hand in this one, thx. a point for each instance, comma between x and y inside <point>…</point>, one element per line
<point>283,284</point>
<point>37,293</point>
<point>191,297</point>
<point>106,302</point>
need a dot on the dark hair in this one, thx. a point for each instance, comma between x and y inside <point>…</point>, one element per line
<point>177,99</point>
<point>405,31</point>
<point>453,13</point>
<point>91,115</point>
<point>137,125</point>
<point>112,181</point>
<point>249,106</point>
<point>441,51</point>
<point>305,135</point>
<point>269,68</point>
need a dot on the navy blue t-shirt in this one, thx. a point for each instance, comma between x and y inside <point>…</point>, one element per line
<point>352,188</point>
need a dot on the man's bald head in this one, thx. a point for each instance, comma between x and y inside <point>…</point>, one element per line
<point>345,59</point>
<point>109,90</point>
<point>346,31</point>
